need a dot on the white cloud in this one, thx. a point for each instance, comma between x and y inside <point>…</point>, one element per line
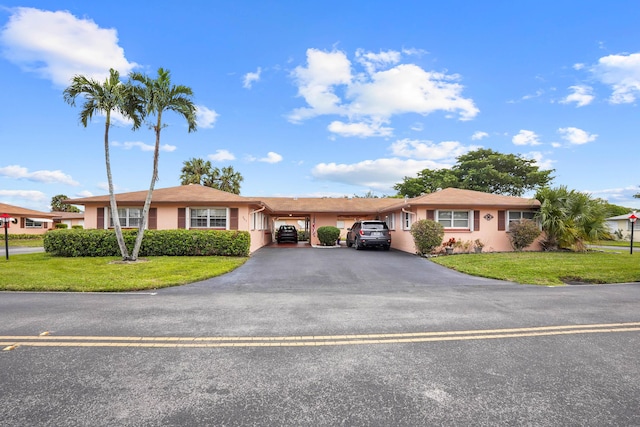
<point>250,78</point>
<point>84,193</point>
<point>221,156</point>
<point>622,73</point>
<point>408,88</point>
<point>57,45</point>
<point>31,195</point>
<point>582,95</point>
<point>541,161</point>
<point>329,87</point>
<point>478,135</point>
<point>205,117</point>
<point>416,149</point>
<point>271,157</point>
<point>315,82</point>
<point>576,136</point>
<point>526,137</point>
<point>45,176</point>
<point>362,130</point>
<point>379,174</point>
<point>578,66</point>
<point>142,146</point>
<point>417,127</point>
<point>374,61</point>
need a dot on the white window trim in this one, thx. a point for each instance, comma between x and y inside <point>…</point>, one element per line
<point>407,219</point>
<point>108,221</point>
<point>391,221</point>
<point>188,217</point>
<point>508,221</point>
<point>470,218</point>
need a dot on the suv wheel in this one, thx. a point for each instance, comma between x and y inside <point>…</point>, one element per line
<point>349,243</point>
<point>357,243</point>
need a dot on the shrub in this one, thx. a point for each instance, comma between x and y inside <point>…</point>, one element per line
<point>427,235</point>
<point>77,227</point>
<point>303,235</point>
<point>328,235</point>
<point>522,233</point>
<point>94,243</point>
<point>61,225</point>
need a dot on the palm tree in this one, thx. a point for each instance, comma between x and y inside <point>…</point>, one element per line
<point>195,171</point>
<point>105,98</point>
<point>199,171</point>
<point>570,218</point>
<point>230,180</point>
<point>157,96</point>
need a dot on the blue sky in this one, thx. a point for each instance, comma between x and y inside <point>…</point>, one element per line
<point>328,98</point>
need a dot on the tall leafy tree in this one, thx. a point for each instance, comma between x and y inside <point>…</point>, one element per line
<point>199,171</point>
<point>105,98</point>
<point>481,170</point>
<point>570,219</point>
<point>195,171</point>
<point>158,96</point>
<point>229,180</point>
<point>58,205</point>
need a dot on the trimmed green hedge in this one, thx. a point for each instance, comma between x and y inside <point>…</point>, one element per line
<point>95,243</point>
<point>328,235</point>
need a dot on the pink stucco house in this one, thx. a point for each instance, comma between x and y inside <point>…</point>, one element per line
<point>466,215</point>
<point>27,221</point>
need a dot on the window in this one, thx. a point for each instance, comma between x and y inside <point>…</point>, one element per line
<point>454,219</point>
<point>391,221</point>
<point>406,220</point>
<point>259,221</point>
<point>208,218</point>
<point>129,217</point>
<point>520,215</point>
<point>29,223</point>
<point>340,224</point>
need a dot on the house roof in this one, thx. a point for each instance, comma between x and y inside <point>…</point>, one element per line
<point>456,197</point>
<point>618,217</point>
<point>18,211</point>
<point>68,215</point>
<point>195,194</point>
<point>190,194</point>
<point>345,205</point>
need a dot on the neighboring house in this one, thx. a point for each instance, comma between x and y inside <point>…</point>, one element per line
<point>27,221</point>
<point>467,215</point>
<point>72,219</point>
<point>622,223</point>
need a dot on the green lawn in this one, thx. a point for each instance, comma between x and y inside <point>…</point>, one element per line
<point>548,268</point>
<point>617,243</point>
<point>30,243</point>
<point>43,272</point>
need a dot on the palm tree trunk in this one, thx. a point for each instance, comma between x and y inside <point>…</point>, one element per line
<point>112,198</point>
<point>147,202</point>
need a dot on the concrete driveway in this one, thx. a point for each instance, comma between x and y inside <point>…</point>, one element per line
<point>325,337</point>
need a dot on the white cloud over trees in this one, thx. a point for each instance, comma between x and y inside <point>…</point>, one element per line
<point>331,85</point>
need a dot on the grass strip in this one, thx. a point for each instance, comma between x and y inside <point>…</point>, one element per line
<point>43,272</point>
<point>548,268</point>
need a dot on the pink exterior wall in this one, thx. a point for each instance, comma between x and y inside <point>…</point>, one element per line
<point>494,240</point>
<point>16,229</point>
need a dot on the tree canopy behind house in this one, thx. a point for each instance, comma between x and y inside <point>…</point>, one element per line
<point>481,170</point>
<point>57,204</point>
<point>200,171</point>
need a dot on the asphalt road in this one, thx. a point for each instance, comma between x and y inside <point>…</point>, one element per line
<point>324,337</point>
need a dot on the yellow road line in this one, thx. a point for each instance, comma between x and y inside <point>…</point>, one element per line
<point>47,340</point>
